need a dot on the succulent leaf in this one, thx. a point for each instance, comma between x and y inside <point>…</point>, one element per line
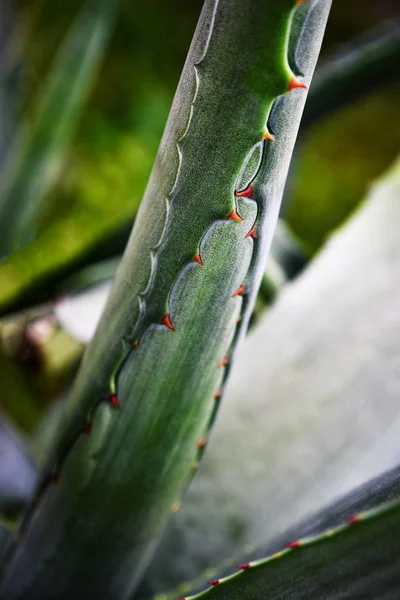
<point>138,417</point>
<point>349,550</point>
<point>83,295</point>
<point>312,409</point>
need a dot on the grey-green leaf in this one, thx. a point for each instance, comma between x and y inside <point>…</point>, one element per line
<point>312,409</point>
<point>152,377</point>
<point>349,550</point>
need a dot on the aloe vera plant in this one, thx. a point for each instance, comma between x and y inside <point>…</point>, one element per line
<point>147,392</point>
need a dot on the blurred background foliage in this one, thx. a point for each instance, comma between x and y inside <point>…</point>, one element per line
<point>104,174</point>
<point>106,171</point>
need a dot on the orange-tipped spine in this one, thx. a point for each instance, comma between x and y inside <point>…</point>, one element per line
<point>166,320</point>
<point>233,215</point>
<point>246,193</point>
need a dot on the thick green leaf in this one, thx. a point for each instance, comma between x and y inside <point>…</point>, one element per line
<point>312,409</point>
<point>35,157</point>
<point>83,295</point>
<point>350,550</point>
<point>191,268</point>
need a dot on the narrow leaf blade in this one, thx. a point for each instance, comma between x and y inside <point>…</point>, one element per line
<point>35,156</point>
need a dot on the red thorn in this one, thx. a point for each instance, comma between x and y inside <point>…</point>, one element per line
<point>238,320</point>
<point>295,83</point>
<point>352,519</point>
<point>268,136</point>
<point>114,400</point>
<point>217,394</point>
<point>201,442</point>
<point>292,544</point>
<point>88,428</point>
<point>167,322</point>
<point>239,291</point>
<point>234,216</point>
<point>214,582</point>
<point>197,258</point>
<point>244,566</point>
<point>300,2</point>
<point>136,344</point>
<point>54,477</point>
<point>252,233</point>
<point>223,362</point>
<point>246,193</point>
